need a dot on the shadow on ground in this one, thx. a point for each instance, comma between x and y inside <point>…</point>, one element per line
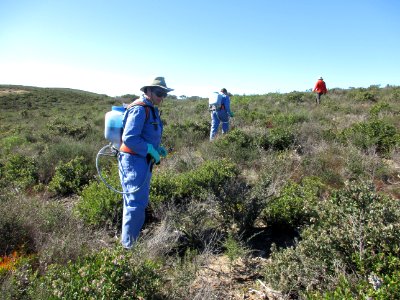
<point>260,239</point>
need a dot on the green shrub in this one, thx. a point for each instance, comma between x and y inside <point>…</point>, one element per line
<point>207,178</point>
<point>378,108</point>
<point>375,133</point>
<point>329,135</point>
<point>188,133</point>
<point>296,204</point>
<point>19,170</point>
<point>164,186</point>
<point>250,116</point>
<point>63,151</point>
<point>295,97</point>
<point>234,248</point>
<point>64,127</point>
<point>108,274</point>
<point>15,284</point>
<point>356,234</point>
<point>70,177</point>
<point>356,165</point>
<point>235,145</point>
<point>98,205</point>
<point>10,143</point>
<point>287,119</point>
<point>240,205</point>
<point>234,137</point>
<point>281,138</point>
<point>326,164</point>
<point>363,95</point>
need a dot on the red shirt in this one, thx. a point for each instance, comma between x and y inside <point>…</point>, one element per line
<point>320,87</point>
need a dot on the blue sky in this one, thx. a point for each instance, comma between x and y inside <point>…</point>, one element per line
<point>248,46</point>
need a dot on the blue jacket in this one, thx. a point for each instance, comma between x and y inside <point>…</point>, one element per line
<point>141,128</point>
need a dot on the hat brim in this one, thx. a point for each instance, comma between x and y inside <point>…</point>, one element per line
<point>160,86</point>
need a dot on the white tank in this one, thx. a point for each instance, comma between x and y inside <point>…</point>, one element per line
<point>215,99</point>
<point>113,125</point>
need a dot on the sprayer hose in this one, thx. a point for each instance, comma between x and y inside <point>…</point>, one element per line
<point>115,152</point>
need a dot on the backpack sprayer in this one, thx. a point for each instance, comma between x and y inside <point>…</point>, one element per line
<point>113,133</point>
<point>215,101</point>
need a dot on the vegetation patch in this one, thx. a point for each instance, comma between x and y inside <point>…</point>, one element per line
<point>355,236</point>
<point>317,182</point>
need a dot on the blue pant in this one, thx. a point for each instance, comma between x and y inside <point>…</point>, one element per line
<point>134,173</point>
<point>217,117</point>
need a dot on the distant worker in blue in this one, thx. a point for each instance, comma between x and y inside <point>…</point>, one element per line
<point>140,148</point>
<point>220,107</point>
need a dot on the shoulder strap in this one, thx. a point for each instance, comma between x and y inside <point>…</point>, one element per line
<point>147,107</point>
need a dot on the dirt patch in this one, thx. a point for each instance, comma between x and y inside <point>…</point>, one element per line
<point>239,279</point>
<point>221,278</point>
<point>5,92</point>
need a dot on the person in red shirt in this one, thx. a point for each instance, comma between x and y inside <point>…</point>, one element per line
<point>320,88</point>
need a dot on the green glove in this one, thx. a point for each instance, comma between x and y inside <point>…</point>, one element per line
<point>154,154</point>
<point>162,151</point>
<point>231,114</point>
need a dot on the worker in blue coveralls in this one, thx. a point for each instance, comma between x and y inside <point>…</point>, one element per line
<point>221,114</point>
<point>141,147</point>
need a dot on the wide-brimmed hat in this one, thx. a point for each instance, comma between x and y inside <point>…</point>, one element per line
<point>321,78</point>
<point>158,82</point>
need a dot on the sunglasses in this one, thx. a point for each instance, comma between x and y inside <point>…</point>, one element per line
<point>160,93</point>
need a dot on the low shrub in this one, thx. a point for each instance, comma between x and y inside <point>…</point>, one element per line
<point>295,97</point>
<point>200,225</point>
<point>374,133</point>
<point>363,95</point>
<point>108,274</point>
<point>356,235</point>
<point>98,205</point>
<point>14,232</point>
<point>251,116</point>
<point>234,137</point>
<point>287,119</point>
<point>296,204</point>
<point>281,138</point>
<point>20,171</point>
<point>189,133</point>
<point>234,248</point>
<point>46,229</point>
<point>240,204</point>
<point>64,127</point>
<point>11,143</point>
<point>326,163</point>
<point>70,177</point>
<point>65,150</point>
<point>207,178</point>
<point>378,108</point>
<point>235,145</point>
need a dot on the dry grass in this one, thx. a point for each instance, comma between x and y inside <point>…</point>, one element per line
<point>46,229</point>
<point>5,91</point>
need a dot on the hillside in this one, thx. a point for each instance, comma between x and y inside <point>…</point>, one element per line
<point>297,201</point>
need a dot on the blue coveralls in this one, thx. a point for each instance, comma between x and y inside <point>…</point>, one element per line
<point>221,115</point>
<point>134,169</point>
